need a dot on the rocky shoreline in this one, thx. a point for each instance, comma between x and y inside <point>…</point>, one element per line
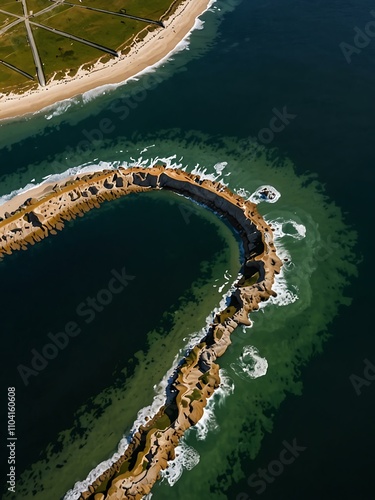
<point>197,375</point>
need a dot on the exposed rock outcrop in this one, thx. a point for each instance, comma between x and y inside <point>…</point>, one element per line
<point>197,376</point>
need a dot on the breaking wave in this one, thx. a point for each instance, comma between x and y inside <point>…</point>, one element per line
<point>250,364</point>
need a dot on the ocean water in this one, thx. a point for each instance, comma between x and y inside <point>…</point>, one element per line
<point>285,380</point>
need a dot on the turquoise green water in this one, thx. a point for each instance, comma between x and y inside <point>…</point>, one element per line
<point>286,377</point>
<point>286,333</point>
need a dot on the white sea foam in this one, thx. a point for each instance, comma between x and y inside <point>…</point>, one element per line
<point>220,167</point>
<point>186,456</point>
<point>186,459</point>
<point>170,162</point>
<point>12,194</point>
<point>92,94</point>
<point>296,230</point>
<point>62,106</point>
<point>59,108</point>
<point>196,337</point>
<point>265,193</point>
<point>81,169</point>
<point>205,174</point>
<point>243,192</point>
<point>146,148</point>
<point>285,296</point>
<point>250,364</point>
<point>208,422</point>
<point>283,228</point>
<point>280,227</point>
<point>227,277</point>
<point>158,401</point>
<point>143,414</point>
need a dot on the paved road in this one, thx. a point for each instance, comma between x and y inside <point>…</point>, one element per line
<point>34,49</point>
<point>136,18</point>
<point>10,14</point>
<point>14,23</point>
<point>21,19</point>
<point>14,68</point>
<point>77,39</point>
<point>30,36</point>
<point>51,7</point>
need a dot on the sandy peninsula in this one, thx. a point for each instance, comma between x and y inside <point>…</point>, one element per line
<point>153,48</point>
<point>32,216</point>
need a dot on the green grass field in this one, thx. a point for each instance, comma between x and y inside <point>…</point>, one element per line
<point>61,55</point>
<point>11,6</point>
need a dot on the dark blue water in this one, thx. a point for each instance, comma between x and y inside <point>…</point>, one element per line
<point>64,285</point>
<point>270,55</point>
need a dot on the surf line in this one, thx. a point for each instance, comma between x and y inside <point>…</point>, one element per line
<point>26,220</point>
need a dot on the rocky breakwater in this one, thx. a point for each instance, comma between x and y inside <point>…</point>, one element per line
<point>27,220</point>
<point>197,375</point>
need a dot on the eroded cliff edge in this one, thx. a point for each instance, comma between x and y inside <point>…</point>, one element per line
<point>197,375</point>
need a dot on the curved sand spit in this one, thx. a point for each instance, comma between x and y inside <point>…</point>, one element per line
<point>145,53</point>
<point>24,221</point>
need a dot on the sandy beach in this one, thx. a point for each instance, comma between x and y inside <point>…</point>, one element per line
<point>133,475</point>
<point>155,47</point>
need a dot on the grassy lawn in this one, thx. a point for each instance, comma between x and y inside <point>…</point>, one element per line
<point>59,54</point>
<point>110,31</point>
<point>12,6</point>
<point>5,20</point>
<point>36,5</point>
<point>152,9</point>
<point>14,49</point>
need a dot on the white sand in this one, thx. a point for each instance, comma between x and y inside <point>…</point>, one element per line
<point>155,46</point>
